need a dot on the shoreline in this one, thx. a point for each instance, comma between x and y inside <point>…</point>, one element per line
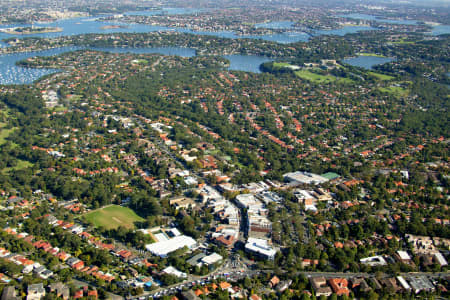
<point>30,30</point>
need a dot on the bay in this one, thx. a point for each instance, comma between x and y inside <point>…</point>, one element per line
<point>10,73</point>
<point>380,19</point>
<point>367,62</point>
<point>246,63</point>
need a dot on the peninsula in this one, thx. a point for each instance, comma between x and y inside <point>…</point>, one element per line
<point>31,30</point>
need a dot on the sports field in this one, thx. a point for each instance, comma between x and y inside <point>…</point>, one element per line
<point>112,217</point>
<point>395,91</point>
<point>381,76</point>
<point>318,78</point>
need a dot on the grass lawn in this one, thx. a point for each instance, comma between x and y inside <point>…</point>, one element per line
<point>213,152</point>
<point>21,164</point>
<point>112,217</point>
<point>140,61</point>
<point>281,65</point>
<point>75,97</point>
<point>403,42</point>
<point>4,133</point>
<point>381,76</point>
<point>395,90</point>
<point>58,108</point>
<point>371,54</point>
<point>317,78</point>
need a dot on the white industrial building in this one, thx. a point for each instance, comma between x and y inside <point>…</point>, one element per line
<point>211,259</point>
<point>260,248</point>
<point>373,261</point>
<point>172,271</point>
<point>440,259</point>
<point>304,178</point>
<point>164,247</point>
<point>403,283</point>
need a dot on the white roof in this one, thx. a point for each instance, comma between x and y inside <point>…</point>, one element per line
<point>305,194</point>
<point>374,261</point>
<point>246,199</point>
<point>165,247</point>
<point>441,259</point>
<point>210,193</point>
<point>403,282</point>
<point>229,231</point>
<point>160,237</point>
<point>211,259</point>
<point>190,180</point>
<point>403,255</point>
<point>171,270</point>
<point>183,173</point>
<point>311,207</point>
<point>175,232</point>
<point>305,177</point>
<point>260,246</point>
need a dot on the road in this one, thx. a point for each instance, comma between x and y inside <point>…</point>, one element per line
<point>80,283</point>
<point>236,268</point>
<point>233,268</point>
<point>236,275</point>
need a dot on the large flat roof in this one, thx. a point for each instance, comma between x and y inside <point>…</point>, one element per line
<point>260,246</point>
<point>165,247</point>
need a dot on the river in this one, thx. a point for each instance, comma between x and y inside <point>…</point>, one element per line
<point>12,74</point>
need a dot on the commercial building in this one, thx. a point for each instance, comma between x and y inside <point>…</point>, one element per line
<point>319,284</point>
<point>420,283</point>
<point>260,248</point>
<point>257,223</point>
<point>403,283</point>
<point>256,214</point>
<point>304,178</point>
<point>268,197</point>
<point>172,271</point>
<point>182,202</point>
<point>440,259</point>
<point>211,259</point>
<point>373,261</point>
<point>163,248</point>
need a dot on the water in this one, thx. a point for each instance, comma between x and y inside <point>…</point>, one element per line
<point>165,11</point>
<point>440,29</point>
<point>85,25</point>
<point>436,29</point>
<point>276,25</point>
<point>246,63</point>
<point>378,19</point>
<point>282,38</point>
<point>301,36</point>
<point>12,74</point>
<point>344,30</point>
<point>367,62</point>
